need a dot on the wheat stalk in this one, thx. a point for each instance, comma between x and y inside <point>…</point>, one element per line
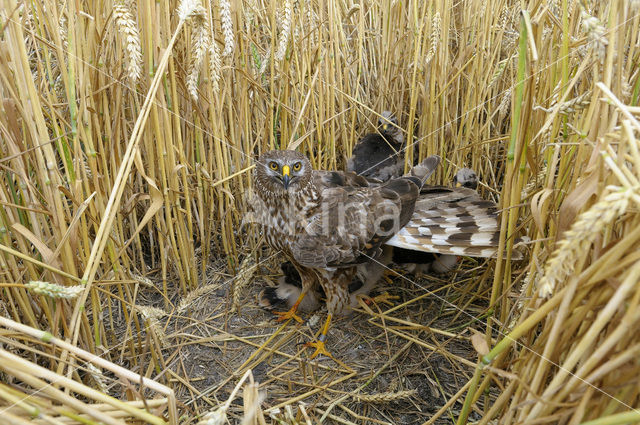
<point>581,235</point>
<point>53,290</point>
<point>227,27</point>
<point>243,278</point>
<point>195,294</point>
<point>265,62</point>
<point>188,8</point>
<point>62,30</point>
<point>143,280</point>
<point>499,71</point>
<point>98,377</point>
<point>505,102</point>
<point>216,417</point>
<point>152,316</point>
<point>435,37</point>
<point>285,33</point>
<point>127,27</point>
<point>215,65</point>
<point>577,103</point>
<point>595,33</point>
<point>219,415</point>
<point>200,43</point>
<point>534,183</point>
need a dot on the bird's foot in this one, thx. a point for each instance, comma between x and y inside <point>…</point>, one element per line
<point>388,276</point>
<point>321,349</point>
<point>286,315</point>
<point>384,298</point>
<point>319,344</point>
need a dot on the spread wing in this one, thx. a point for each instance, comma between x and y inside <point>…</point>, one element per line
<point>355,220</point>
<point>452,221</point>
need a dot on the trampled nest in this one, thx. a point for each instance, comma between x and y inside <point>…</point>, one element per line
<point>397,363</point>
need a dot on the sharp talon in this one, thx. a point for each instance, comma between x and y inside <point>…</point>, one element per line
<point>320,349</point>
<point>286,315</point>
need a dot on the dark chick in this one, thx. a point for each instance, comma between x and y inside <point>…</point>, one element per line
<point>380,155</point>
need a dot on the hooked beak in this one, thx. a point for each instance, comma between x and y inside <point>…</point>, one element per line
<point>286,176</point>
<point>458,184</point>
<point>385,127</point>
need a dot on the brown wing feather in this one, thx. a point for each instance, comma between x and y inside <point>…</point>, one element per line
<point>452,221</point>
<point>354,222</point>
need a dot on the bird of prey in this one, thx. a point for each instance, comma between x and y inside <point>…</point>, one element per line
<point>328,224</point>
<point>445,222</point>
<point>290,286</point>
<point>379,155</point>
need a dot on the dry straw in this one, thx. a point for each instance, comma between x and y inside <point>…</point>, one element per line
<point>103,181</point>
<point>386,397</point>
<point>252,402</point>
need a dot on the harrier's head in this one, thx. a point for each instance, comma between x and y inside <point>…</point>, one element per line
<point>387,122</point>
<point>280,171</point>
<point>466,177</point>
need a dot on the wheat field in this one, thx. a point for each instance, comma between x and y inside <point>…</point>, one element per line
<point>128,132</point>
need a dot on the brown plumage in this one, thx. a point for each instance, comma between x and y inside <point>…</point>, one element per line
<point>411,260</point>
<point>454,221</point>
<point>333,227</point>
<point>289,287</point>
<point>329,223</point>
<point>415,261</point>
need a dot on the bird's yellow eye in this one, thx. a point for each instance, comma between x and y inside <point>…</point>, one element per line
<point>273,165</point>
<point>297,166</point>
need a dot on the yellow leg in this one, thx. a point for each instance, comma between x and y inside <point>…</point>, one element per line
<point>291,314</point>
<point>319,345</point>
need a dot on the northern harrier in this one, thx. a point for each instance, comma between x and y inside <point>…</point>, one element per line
<point>290,285</point>
<point>379,155</point>
<point>330,224</point>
